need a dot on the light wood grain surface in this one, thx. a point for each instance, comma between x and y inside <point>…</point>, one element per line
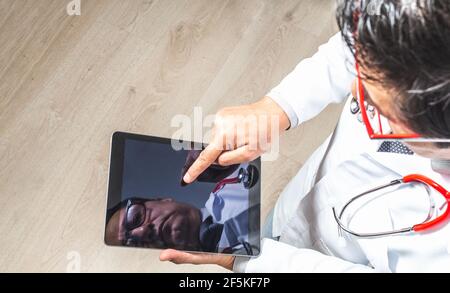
<point>68,82</point>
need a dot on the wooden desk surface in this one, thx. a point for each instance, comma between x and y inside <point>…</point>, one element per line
<point>68,82</point>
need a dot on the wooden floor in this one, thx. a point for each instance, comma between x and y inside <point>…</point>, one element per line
<point>68,82</point>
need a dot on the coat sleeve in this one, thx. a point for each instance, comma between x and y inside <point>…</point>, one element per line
<point>316,82</point>
<point>278,257</point>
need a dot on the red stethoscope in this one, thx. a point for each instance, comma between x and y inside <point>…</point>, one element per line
<point>247,176</point>
<point>428,225</point>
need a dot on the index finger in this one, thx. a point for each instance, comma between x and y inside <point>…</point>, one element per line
<point>204,160</point>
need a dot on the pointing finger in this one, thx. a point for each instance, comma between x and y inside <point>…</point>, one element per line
<point>205,159</point>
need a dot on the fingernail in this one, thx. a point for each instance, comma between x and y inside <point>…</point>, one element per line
<point>182,183</point>
<point>187,178</point>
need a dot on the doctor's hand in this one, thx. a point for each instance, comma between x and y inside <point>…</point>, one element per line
<point>240,134</point>
<point>181,257</point>
<point>213,174</point>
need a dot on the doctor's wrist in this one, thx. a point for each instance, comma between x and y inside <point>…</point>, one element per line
<point>240,264</point>
<point>281,110</point>
<point>227,262</point>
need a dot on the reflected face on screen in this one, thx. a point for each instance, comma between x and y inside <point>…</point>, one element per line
<point>160,223</point>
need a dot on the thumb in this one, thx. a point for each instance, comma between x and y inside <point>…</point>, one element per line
<point>180,257</point>
<point>177,257</point>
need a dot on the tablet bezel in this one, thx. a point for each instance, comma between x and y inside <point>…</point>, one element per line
<point>115,175</point>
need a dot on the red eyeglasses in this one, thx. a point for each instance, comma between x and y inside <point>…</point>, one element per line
<point>371,118</point>
<point>374,122</point>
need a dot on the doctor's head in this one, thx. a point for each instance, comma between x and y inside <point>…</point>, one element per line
<point>153,223</point>
<point>402,48</point>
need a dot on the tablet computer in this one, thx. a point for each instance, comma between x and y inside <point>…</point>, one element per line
<point>149,206</point>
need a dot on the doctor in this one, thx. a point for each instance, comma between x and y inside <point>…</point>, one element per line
<point>395,64</point>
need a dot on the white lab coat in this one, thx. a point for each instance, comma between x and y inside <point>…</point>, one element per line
<point>346,164</point>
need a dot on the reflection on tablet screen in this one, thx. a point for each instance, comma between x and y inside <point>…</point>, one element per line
<point>149,206</point>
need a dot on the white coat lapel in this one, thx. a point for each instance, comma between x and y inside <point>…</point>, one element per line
<point>313,225</point>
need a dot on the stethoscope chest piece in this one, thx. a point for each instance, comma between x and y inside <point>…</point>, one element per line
<point>249,176</point>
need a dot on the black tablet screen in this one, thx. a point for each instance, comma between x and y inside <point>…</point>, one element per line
<point>149,206</point>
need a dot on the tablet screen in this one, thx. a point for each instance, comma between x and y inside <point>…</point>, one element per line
<point>149,206</point>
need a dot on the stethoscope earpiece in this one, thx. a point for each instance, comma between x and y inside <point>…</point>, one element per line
<point>355,109</point>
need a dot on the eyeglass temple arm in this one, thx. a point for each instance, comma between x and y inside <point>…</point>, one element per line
<point>370,131</point>
<point>360,93</point>
<point>427,181</point>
